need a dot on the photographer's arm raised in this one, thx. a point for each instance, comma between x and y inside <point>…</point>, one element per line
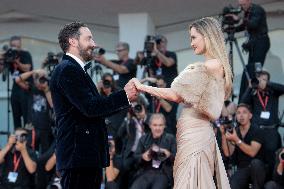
<point>121,69</point>
<point>21,80</point>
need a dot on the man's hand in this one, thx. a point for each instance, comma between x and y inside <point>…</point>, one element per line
<point>232,136</point>
<point>131,90</point>
<point>11,140</point>
<point>146,156</point>
<point>21,146</point>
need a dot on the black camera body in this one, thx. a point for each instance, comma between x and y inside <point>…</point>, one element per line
<point>137,108</point>
<point>257,70</point>
<point>228,124</point>
<point>149,43</point>
<point>156,154</point>
<point>228,20</point>
<point>282,155</point>
<point>11,55</point>
<point>22,138</point>
<point>106,84</point>
<point>99,51</point>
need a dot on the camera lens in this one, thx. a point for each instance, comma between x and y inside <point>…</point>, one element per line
<point>282,155</point>
<point>138,108</point>
<point>107,83</point>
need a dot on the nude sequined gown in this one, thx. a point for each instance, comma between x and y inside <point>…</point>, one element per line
<point>198,157</point>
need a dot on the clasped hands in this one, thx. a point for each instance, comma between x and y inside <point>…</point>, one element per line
<point>132,88</point>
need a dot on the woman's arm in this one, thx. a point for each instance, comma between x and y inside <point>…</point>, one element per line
<point>165,93</point>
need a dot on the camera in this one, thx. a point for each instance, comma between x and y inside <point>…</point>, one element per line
<point>229,20</point>
<point>137,108</point>
<point>107,84</point>
<point>150,42</point>
<point>157,154</point>
<point>99,51</point>
<point>282,156</point>
<point>258,70</point>
<point>41,79</point>
<point>52,60</point>
<point>228,124</point>
<point>21,138</point>
<point>11,55</point>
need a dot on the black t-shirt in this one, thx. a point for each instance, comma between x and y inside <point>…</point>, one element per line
<point>169,73</point>
<point>24,179</point>
<point>39,109</point>
<point>25,58</point>
<point>253,134</point>
<point>124,78</point>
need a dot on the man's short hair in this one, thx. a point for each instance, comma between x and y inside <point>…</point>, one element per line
<point>70,30</point>
<point>264,72</point>
<point>245,106</point>
<point>157,116</point>
<point>15,38</point>
<point>123,44</point>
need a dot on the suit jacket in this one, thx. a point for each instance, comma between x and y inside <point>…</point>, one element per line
<point>80,116</point>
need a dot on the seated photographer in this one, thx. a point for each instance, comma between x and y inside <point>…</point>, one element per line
<point>19,162</point>
<point>244,144</point>
<point>124,68</point>
<point>41,105</point>
<point>106,86</point>
<point>135,125</point>
<point>159,105</point>
<point>263,96</point>
<point>278,176</point>
<point>113,170</point>
<point>155,156</point>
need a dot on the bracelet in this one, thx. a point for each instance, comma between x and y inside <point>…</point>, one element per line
<point>239,142</point>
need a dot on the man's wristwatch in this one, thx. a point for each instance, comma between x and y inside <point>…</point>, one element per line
<point>239,142</point>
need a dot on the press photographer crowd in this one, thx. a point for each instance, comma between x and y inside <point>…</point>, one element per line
<point>142,144</point>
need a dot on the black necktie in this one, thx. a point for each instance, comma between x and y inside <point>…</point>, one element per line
<point>87,66</point>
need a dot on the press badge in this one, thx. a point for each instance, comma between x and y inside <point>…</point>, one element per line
<point>12,177</point>
<point>265,115</point>
<point>156,164</point>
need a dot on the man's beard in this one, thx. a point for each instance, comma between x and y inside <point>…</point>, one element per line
<point>85,54</point>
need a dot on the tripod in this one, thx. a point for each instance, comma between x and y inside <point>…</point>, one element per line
<point>6,76</point>
<point>232,40</point>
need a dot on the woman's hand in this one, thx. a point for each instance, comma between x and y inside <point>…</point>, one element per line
<point>137,84</point>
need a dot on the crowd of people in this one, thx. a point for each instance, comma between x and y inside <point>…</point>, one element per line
<point>142,139</point>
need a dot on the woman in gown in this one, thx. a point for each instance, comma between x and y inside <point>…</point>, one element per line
<point>202,87</point>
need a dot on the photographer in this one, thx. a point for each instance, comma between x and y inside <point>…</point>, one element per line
<point>105,87</point>
<point>164,62</point>
<point>113,170</point>
<point>124,69</point>
<point>21,61</point>
<point>257,45</point>
<point>155,156</point>
<point>19,162</point>
<point>244,144</point>
<point>135,125</point>
<point>36,83</point>
<point>278,176</point>
<point>263,97</point>
<point>167,108</point>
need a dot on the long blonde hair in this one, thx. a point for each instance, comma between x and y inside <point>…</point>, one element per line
<point>215,46</point>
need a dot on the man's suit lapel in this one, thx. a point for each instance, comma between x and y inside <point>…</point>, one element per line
<point>86,75</point>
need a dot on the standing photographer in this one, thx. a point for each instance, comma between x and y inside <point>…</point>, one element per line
<point>245,145</point>
<point>165,62</point>
<point>19,162</point>
<point>20,63</point>
<point>40,102</point>
<point>257,45</point>
<point>124,69</point>
<point>155,155</point>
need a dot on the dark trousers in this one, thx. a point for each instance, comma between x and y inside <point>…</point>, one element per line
<point>254,174</point>
<point>81,178</point>
<point>43,140</point>
<point>151,180</point>
<point>20,106</point>
<point>273,185</point>
<point>257,53</point>
<point>272,142</point>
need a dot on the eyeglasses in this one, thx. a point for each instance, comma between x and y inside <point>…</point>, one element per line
<point>120,50</point>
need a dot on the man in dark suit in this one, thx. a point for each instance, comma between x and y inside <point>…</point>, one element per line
<point>82,142</point>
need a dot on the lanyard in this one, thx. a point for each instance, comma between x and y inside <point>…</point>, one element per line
<point>158,105</point>
<point>33,138</point>
<point>264,104</point>
<point>16,162</point>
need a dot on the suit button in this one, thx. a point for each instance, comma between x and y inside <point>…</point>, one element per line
<point>87,132</point>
